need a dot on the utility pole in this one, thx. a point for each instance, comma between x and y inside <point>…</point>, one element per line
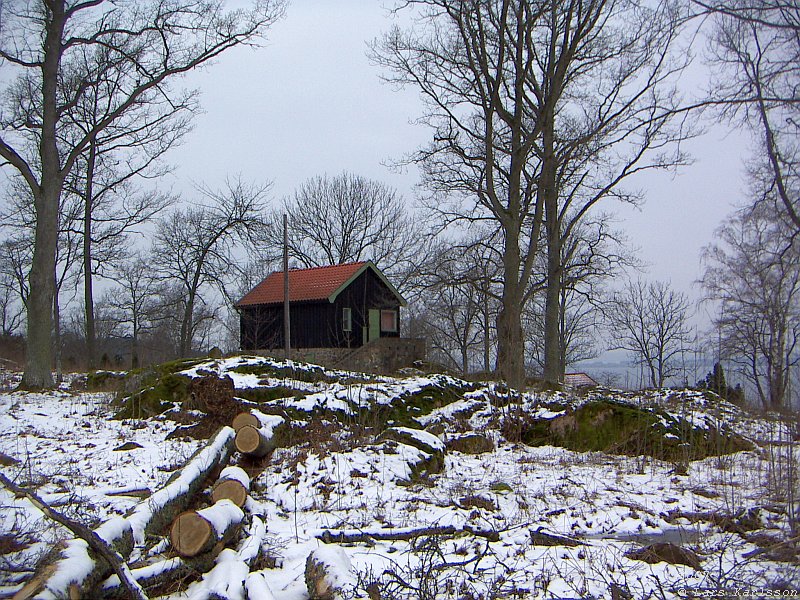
<point>287,346</point>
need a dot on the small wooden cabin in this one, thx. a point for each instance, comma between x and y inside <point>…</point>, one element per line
<point>341,306</point>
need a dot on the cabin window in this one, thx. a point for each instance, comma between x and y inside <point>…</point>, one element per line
<point>389,320</point>
<point>347,319</point>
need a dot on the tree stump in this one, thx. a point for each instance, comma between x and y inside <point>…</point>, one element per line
<point>328,573</point>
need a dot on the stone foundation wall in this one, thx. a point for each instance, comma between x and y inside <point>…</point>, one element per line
<point>384,355</point>
<point>326,357</point>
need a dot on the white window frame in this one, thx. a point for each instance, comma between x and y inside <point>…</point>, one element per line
<point>347,319</point>
<point>394,321</point>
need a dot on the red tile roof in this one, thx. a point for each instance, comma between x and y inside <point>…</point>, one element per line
<point>578,380</point>
<point>318,283</point>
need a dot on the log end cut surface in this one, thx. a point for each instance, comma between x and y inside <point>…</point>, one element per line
<point>230,489</point>
<point>190,534</point>
<point>244,418</point>
<point>248,440</point>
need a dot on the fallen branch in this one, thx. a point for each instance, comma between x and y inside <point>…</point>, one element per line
<point>541,538</point>
<point>344,537</point>
<point>94,541</point>
<point>148,577</point>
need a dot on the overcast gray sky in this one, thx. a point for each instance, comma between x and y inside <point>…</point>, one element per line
<point>310,102</point>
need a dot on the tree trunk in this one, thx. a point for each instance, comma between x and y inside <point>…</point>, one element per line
<point>254,442</point>
<point>233,484</point>
<point>135,342</point>
<point>39,356</point>
<point>57,334</point>
<point>46,204</point>
<point>510,347</point>
<point>552,308</point>
<point>88,294</point>
<point>187,324</point>
<point>653,376</point>
<point>563,341</point>
<point>487,343</point>
<point>186,328</point>
<point>198,532</point>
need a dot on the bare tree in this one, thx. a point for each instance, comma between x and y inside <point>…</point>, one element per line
<point>608,110</point>
<point>106,176</point>
<point>473,64</point>
<point>592,253</point>
<point>194,247</point>
<point>134,298</point>
<point>755,55</point>
<point>451,309</point>
<point>650,320</point>
<point>348,218</point>
<point>41,44</point>
<point>539,111</point>
<point>753,271</point>
<point>458,296</point>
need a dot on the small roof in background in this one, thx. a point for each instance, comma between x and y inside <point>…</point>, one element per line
<point>315,284</point>
<point>578,380</point>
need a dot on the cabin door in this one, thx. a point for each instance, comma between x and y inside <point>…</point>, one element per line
<point>374,330</point>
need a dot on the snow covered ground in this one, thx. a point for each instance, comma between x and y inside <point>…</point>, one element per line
<point>514,522</point>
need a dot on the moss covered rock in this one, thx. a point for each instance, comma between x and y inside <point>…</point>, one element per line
<point>153,390</point>
<point>431,446</point>
<point>104,381</point>
<point>620,428</point>
<point>471,443</point>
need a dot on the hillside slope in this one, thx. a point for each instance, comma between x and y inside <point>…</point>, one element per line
<point>419,487</point>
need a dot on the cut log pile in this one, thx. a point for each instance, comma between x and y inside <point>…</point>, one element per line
<point>173,536</point>
<point>77,569</point>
